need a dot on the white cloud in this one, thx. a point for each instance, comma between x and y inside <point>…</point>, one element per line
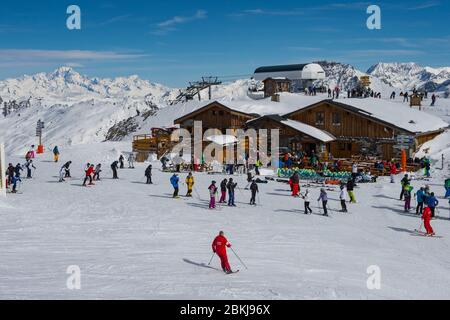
<point>166,26</point>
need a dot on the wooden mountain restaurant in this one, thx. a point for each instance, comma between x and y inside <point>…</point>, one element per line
<point>364,127</point>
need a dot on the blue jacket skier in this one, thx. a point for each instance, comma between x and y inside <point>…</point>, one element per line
<point>174,180</point>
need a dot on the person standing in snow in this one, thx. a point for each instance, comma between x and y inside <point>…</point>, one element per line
<point>189,184</point>
<point>447,188</point>
<point>114,168</point>
<point>354,172</point>
<point>14,181</point>
<point>343,198</point>
<point>223,191</point>
<point>10,173</point>
<point>219,247</point>
<point>66,168</point>
<point>55,154</point>
<point>174,180</point>
<point>426,217</point>
<point>212,195</point>
<point>17,170</point>
<point>98,169</point>
<point>407,195</point>
<point>121,160</point>
<point>427,168</point>
<point>420,197</point>
<point>393,171</point>
<point>231,186</point>
<point>62,172</point>
<point>89,172</point>
<point>307,201</point>
<point>432,203</point>
<point>404,182</point>
<point>295,184</point>
<point>350,188</point>
<point>148,174</point>
<point>254,189</point>
<point>131,161</point>
<point>324,198</point>
<point>29,165</point>
<point>433,100</point>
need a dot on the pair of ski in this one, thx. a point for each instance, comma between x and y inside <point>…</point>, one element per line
<point>419,233</point>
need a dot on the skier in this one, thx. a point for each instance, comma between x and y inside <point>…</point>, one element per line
<point>174,181</point>
<point>254,189</point>
<point>307,201</point>
<point>295,184</point>
<point>350,188</point>
<point>223,191</point>
<point>148,174</point>
<point>420,197</point>
<point>17,170</point>
<point>427,168</point>
<point>89,172</point>
<point>343,198</point>
<point>66,167</point>
<point>114,167</point>
<point>393,171</point>
<point>121,160</point>
<point>164,161</point>
<point>432,203</point>
<point>324,198</point>
<point>433,100</point>
<point>426,217</point>
<point>131,161</point>
<point>212,195</point>
<point>407,194</point>
<point>62,172</point>
<point>10,172</point>
<point>29,165</point>
<point>354,172</point>
<point>189,184</point>
<point>55,154</point>
<point>98,169</point>
<point>14,181</point>
<point>219,247</point>
<point>404,182</point>
<point>447,187</point>
<point>231,186</point>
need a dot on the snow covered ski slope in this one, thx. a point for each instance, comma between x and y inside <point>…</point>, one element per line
<point>132,240</point>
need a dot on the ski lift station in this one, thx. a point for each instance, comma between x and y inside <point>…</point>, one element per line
<point>300,75</point>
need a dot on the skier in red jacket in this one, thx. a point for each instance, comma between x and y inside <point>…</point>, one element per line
<point>219,247</point>
<point>89,172</point>
<point>426,216</point>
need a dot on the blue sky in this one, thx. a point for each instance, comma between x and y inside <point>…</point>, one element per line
<point>173,42</point>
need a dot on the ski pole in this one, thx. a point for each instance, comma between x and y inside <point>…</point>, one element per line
<point>238,258</point>
<point>211,258</point>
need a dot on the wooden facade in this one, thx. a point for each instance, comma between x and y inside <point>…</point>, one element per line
<point>273,86</point>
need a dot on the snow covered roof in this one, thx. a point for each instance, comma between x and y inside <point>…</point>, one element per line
<point>396,114</point>
<point>282,68</point>
<point>300,127</point>
<point>222,139</point>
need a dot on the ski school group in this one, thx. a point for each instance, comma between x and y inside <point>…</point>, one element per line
<point>427,203</point>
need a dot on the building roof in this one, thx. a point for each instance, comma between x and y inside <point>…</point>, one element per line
<point>281,68</point>
<point>304,128</point>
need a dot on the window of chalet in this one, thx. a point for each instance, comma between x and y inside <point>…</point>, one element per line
<point>320,118</point>
<point>337,119</point>
<point>221,113</point>
<point>214,112</point>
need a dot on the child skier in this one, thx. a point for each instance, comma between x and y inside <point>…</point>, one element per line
<point>404,182</point>
<point>307,201</point>
<point>189,184</point>
<point>174,181</point>
<point>148,174</point>
<point>219,247</point>
<point>295,184</point>
<point>212,195</point>
<point>17,170</point>
<point>223,191</point>
<point>66,167</point>
<point>407,195</point>
<point>350,188</point>
<point>343,198</point>
<point>62,172</point>
<point>324,198</point>
<point>420,197</point>
<point>254,189</point>
<point>14,181</point>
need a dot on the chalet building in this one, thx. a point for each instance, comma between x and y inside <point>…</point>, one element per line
<point>365,126</point>
<point>342,128</point>
<point>273,86</point>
